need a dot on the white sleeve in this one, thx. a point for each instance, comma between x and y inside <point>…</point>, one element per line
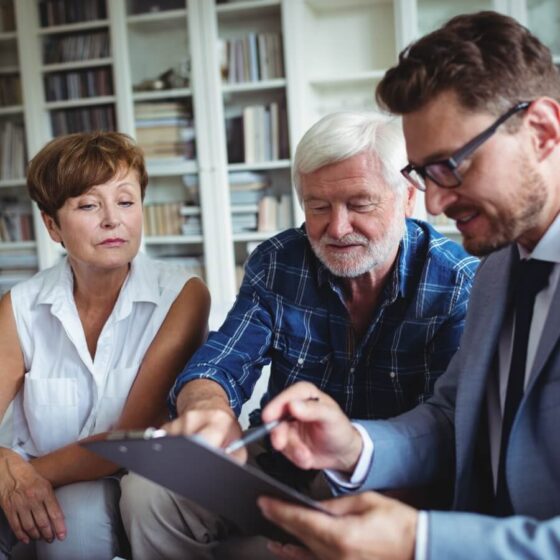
<point>360,473</point>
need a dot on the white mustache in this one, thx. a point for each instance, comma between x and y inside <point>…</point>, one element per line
<point>350,239</point>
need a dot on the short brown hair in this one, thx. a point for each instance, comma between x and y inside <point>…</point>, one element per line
<point>70,165</point>
<point>488,59</point>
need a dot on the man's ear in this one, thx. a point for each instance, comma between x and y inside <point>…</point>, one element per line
<point>543,118</point>
<point>52,227</point>
<point>409,200</point>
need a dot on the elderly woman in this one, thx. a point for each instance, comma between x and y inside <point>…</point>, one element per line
<point>91,344</point>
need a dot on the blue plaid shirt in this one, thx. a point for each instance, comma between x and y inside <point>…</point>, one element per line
<point>290,312</point>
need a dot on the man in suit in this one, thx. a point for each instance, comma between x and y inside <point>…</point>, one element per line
<point>481,118</point>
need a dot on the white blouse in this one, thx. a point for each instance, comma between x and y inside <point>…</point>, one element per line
<point>67,395</point>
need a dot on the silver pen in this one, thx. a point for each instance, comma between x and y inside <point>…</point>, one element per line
<point>260,432</point>
<point>254,435</point>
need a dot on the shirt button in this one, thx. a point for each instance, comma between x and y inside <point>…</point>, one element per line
<point>300,361</point>
<point>392,375</point>
<point>352,369</point>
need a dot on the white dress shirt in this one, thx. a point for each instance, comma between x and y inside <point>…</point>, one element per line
<point>67,395</point>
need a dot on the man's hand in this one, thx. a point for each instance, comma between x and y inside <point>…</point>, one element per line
<point>320,436</point>
<point>205,412</point>
<point>28,501</point>
<point>363,526</point>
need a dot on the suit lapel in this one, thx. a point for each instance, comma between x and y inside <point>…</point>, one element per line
<point>488,309</point>
<point>549,339</point>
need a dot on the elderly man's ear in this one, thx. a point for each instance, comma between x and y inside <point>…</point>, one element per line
<point>409,201</point>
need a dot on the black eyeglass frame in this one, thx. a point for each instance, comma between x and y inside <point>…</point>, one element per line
<point>454,161</point>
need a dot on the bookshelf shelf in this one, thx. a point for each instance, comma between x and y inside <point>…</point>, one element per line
<point>85,102</point>
<point>12,69</point>
<point>327,5</point>
<point>11,183</point>
<point>13,110</point>
<point>254,86</point>
<point>170,167</point>
<point>74,27</point>
<point>263,165</point>
<point>173,239</point>
<point>252,236</point>
<point>367,76</point>
<point>162,16</point>
<point>17,245</point>
<point>161,94</point>
<point>77,64</point>
<point>8,35</point>
<point>247,8</point>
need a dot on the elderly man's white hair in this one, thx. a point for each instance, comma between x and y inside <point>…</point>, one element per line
<point>340,136</point>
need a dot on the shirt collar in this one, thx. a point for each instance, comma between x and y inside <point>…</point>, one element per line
<point>548,248</point>
<point>141,285</point>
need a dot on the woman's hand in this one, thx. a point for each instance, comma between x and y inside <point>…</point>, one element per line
<point>28,501</point>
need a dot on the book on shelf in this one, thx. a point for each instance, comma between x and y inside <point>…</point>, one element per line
<point>13,156</point>
<point>79,84</point>
<point>274,213</point>
<point>61,12</point>
<point>88,119</point>
<point>268,210</point>
<point>171,218</point>
<point>86,45</point>
<point>10,90</point>
<point>16,220</point>
<point>259,133</point>
<point>284,212</point>
<point>165,129</point>
<point>251,58</point>
<point>246,187</point>
<point>7,16</point>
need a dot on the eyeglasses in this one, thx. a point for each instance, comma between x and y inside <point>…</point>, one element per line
<point>444,173</point>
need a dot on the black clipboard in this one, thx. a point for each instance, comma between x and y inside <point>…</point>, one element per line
<point>192,468</point>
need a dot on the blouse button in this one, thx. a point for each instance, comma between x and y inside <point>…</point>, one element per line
<point>300,361</point>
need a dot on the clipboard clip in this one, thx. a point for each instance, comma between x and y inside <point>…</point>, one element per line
<point>148,433</point>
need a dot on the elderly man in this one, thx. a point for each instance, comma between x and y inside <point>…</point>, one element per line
<point>480,100</point>
<point>363,302</point>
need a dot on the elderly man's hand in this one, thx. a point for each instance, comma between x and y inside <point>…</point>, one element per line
<point>363,526</point>
<point>319,436</point>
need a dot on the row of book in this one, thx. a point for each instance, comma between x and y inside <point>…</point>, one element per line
<point>270,214</point>
<point>259,133</point>
<point>69,48</point>
<point>254,57</point>
<point>66,121</point>
<point>7,16</point>
<point>165,129</point>
<point>164,219</point>
<point>13,157</point>
<point>60,12</point>
<point>16,221</point>
<point>77,85</point>
<point>10,90</point>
